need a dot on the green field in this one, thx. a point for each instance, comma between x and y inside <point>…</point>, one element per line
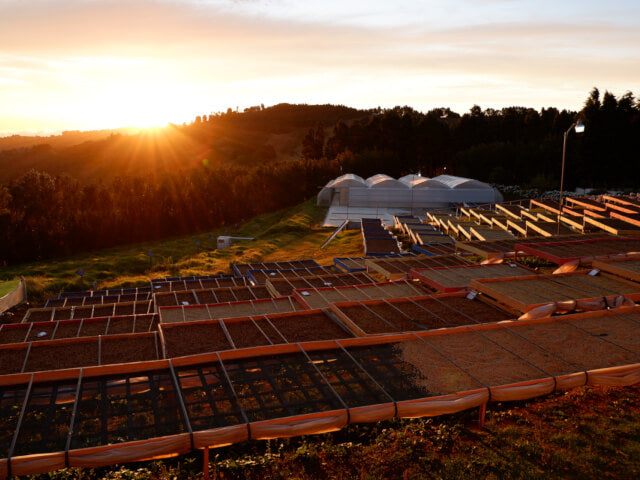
<point>287,234</point>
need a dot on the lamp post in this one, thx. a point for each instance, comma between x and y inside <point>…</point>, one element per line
<point>579,128</point>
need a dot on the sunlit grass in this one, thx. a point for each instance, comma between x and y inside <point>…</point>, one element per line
<point>293,233</point>
<point>6,287</point>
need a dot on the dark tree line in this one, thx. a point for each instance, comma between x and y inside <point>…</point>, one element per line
<point>515,145</point>
<point>44,215</point>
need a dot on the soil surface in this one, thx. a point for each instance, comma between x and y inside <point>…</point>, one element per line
<point>367,320</point>
<point>308,327</point>
<point>13,335</point>
<point>11,360</point>
<point>129,349</point>
<point>67,355</point>
<point>394,317</point>
<point>183,340</point>
<point>120,325</point>
<point>246,334</point>
<point>67,329</point>
<point>92,328</point>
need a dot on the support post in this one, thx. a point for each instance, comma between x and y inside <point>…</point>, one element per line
<point>481,415</point>
<point>205,463</point>
<point>564,151</point>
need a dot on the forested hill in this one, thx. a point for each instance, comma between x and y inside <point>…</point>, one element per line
<point>243,139</point>
<point>220,169</point>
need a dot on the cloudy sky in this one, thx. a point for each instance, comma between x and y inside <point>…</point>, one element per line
<point>85,64</point>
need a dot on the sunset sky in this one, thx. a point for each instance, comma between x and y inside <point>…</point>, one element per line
<point>95,63</point>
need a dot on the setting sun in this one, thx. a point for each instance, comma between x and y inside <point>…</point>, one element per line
<point>97,64</point>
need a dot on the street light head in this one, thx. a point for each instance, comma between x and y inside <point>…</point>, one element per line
<point>579,126</point>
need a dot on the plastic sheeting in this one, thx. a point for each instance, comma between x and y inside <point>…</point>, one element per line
<point>592,305</point>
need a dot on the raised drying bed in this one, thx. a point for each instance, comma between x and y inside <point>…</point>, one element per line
<point>380,245</point>
<point>324,297</point>
<point>180,314</point>
<point>417,313</point>
<point>198,283</point>
<point>614,226</point>
<point>106,292</point>
<point>260,277</point>
<point>565,338</point>
<point>281,287</point>
<point>77,352</point>
<point>547,229</point>
<point>27,332</point>
<point>504,248</point>
<point>526,293</point>
<point>215,335</point>
<point>211,295</point>
<point>125,413</point>
<point>630,218</point>
<point>488,362</point>
<point>398,268</point>
<point>453,279</point>
<point>489,234</point>
<point>626,268</point>
<point>587,203</point>
<point>98,299</point>
<point>241,269</point>
<point>567,251</point>
<point>92,311</point>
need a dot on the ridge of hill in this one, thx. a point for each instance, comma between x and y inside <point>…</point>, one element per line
<point>244,139</point>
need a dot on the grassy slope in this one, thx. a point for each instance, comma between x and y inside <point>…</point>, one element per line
<point>6,287</point>
<point>286,234</point>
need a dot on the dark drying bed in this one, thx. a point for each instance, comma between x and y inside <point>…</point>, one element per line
<point>277,386</point>
<point>44,356</point>
<point>126,407</point>
<point>246,334</point>
<point>305,327</point>
<point>193,338</point>
<point>136,348</point>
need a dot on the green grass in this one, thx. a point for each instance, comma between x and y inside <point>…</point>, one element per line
<point>6,287</point>
<point>286,234</point>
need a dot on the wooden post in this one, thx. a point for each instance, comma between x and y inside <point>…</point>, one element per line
<point>481,414</point>
<point>205,463</point>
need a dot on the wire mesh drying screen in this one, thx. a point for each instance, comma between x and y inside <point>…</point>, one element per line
<point>348,379</point>
<point>487,361</point>
<point>614,328</point>
<point>127,407</point>
<point>208,397</point>
<point>411,370</point>
<point>277,386</point>
<point>576,346</point>
<point>532,353</point>
<point>11,400</point>
<point>45,423</point>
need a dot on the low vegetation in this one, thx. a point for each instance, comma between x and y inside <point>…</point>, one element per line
<point>285,234</point>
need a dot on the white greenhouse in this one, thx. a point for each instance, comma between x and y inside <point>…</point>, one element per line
<point>381,196</point>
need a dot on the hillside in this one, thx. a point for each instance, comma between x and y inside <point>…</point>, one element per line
<point>240,139</point>
<point>289,233</point>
